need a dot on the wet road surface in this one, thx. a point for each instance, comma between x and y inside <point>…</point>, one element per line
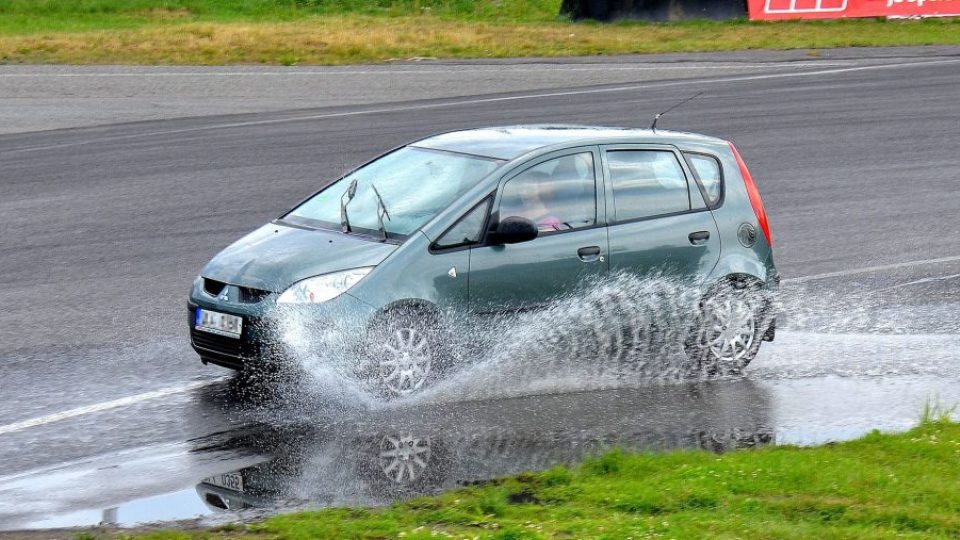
<point>106,414</point>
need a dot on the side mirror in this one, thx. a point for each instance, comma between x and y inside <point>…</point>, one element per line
<point>514,230</point>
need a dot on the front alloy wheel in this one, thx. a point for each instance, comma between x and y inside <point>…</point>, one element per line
<point>405,352</point>
<point>406,358</point>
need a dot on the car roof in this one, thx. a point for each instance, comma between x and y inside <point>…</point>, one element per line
<point>510,142</point>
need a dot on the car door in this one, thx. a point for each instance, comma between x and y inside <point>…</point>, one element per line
<point>561,194</point>
<point>657,218</point>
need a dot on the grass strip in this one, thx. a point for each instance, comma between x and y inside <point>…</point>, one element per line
<point>880,486</point>
<point>287,32</point>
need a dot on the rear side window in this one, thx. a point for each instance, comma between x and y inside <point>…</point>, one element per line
<point>709,174</point>
<point>647,183</point>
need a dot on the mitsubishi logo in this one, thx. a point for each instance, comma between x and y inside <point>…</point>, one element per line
<point>224,295</point>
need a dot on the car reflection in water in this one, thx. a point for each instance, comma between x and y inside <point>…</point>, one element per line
<point>377,457</point>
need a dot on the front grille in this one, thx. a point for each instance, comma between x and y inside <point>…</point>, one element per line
<point>244,295</point>
<point>219,344</point>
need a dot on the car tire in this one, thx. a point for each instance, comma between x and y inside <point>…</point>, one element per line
<point>405,352</point>
<point>727,331</point>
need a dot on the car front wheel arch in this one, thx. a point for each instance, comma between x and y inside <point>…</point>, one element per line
<point>405,349</point>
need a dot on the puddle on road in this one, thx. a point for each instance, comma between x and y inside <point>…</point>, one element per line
<point>380,456</point>
<point>397,452</point>
<point>374,457</point>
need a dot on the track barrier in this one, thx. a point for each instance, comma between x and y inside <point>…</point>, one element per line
<point>758,10</point>
<point>654,10</point>
<point>772,10</point>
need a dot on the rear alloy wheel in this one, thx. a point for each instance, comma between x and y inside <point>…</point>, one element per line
<point>728,333</point>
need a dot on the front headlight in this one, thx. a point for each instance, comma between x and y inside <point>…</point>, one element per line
<point>322,288</point>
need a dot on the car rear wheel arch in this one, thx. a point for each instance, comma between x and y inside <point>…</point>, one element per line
<point>747,294</point>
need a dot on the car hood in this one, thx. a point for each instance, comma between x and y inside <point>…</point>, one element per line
<point>276,256</point>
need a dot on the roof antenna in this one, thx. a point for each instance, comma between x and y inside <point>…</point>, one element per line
<point>653,126</point>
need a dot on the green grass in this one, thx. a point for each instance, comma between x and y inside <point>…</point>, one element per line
<point>880,486</point>
<point>527,9</point>
<point>30,16</point>
<point>363,31</point>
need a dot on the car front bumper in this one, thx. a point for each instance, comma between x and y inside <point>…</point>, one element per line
<point>263,337</point>
<point>227,351</point>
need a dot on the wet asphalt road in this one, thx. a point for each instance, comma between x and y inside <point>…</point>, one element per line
<point>103,229</point>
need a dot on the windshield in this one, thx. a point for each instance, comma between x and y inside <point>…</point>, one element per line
<point>415,184</point>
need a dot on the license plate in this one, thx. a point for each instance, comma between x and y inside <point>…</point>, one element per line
<point>232,481</point>
<point>218,323</point>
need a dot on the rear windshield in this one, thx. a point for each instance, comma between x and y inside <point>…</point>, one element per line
<point>415,184</point>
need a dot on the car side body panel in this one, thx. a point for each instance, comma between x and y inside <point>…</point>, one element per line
<point>528,275</point>
<point>415,276</point>
<point>662,243</point>
<point>734,211</point>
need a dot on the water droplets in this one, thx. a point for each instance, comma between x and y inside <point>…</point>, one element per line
<point>611,329</point>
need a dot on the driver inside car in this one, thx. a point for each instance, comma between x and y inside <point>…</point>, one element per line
<point>533,191</point>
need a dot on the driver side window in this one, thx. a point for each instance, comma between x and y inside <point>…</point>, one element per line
<point>557,195</point>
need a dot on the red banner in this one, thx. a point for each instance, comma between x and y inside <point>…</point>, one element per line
<point>774,10</point>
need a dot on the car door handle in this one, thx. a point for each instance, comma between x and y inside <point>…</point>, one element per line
<point>699,238</point>
<point>589,253</point>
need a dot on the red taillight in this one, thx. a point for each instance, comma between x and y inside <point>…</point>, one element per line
<point>755,201</point>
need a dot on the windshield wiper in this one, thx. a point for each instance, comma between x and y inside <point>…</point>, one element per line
<point>344,201</point>
<point>381,211</point>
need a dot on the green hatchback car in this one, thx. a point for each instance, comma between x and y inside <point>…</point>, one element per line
<point>492,221</point>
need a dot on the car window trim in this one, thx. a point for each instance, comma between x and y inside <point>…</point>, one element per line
<point>696,175</point>
<point>501,161</point>
<point>658,216</point>
<point>542,234</point>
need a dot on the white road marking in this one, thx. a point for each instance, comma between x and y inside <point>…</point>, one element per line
<point>483,100</point>
<point>100,407</point>
<point>450,69</point>
<point>919,282</point>
<point>869,269</point>
<point>166,450</point>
